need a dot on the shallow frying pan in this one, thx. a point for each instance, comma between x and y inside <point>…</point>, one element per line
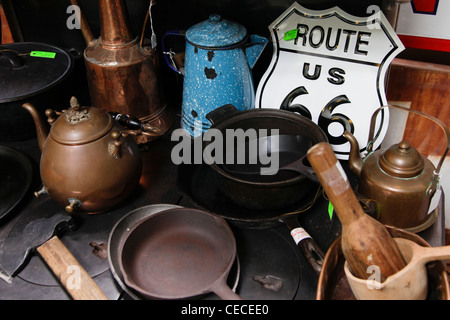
<point>120,231</point>
<point>179,253</point>
<point>16,174</point>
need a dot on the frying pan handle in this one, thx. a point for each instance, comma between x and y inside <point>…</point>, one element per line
<point>305,168</point>
<point>308,247</point>
<point>224,292</point>
<point>60,260</point>
<point>311,251</point>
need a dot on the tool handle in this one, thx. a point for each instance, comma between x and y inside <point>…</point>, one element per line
<point>305,243</point>
<point>365,241</point>
<point>428,254</point>
<point>335,182</point>
<point>69,272</point>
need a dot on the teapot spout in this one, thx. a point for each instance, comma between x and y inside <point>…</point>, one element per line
<point>41,127</point>
<point>255,48</point>
<point>355,161</point>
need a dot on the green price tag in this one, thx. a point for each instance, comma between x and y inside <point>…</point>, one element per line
<point>43,54</point>
<point>290,35</point>
<point>330,210</point>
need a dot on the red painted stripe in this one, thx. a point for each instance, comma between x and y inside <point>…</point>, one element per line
<point>425,43</point>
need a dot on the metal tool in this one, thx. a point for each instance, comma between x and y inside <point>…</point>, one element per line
<point>39,231</point>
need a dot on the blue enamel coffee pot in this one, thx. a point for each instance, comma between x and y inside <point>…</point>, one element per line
<point>219,56</point>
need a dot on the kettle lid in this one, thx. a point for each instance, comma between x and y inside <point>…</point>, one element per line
<point>216,32</point>
<point>79,125</point>
<point>402,160</point>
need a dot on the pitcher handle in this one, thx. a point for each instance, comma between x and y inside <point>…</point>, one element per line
<point>436,120</point>
<point>169,54</point>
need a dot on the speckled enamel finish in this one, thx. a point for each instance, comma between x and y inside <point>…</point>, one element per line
<point>215,74</point>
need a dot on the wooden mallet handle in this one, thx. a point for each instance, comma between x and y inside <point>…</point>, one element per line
<point>69,272</point>
<point>365,241</point>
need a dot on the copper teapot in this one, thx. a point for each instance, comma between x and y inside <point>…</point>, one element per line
<point>89,162</point>
<point>400,180</point>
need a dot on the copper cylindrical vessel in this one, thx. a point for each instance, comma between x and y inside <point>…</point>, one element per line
<point>123,74</point>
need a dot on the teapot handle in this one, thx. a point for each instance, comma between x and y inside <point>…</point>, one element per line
<point>436,120</point>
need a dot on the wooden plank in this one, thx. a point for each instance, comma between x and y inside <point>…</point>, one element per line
<point>6,35</point>
<point>426,86</point>
<point>10,30</point>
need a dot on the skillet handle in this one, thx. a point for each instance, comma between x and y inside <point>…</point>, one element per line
<point>313,254</point>
<point>308,247</point>
<point>223,291</point>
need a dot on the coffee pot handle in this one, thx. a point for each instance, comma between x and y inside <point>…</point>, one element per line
<point>169,55</point>
<point>437,121</point>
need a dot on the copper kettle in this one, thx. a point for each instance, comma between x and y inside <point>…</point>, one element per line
<point>89,163</point>
<point>400,180</point>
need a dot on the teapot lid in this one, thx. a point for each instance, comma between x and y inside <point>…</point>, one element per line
<point>79,125</point>
<point>402,160</point>
<point>216,32</point>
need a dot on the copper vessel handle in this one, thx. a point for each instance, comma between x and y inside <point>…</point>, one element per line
<point>150,131</point>
<point>85,28</point>
<point>115,146</point>
<point>147,16</point>
<point>436,120</point>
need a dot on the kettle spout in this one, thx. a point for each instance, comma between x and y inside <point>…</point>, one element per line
<point>254,49</point>
<point>41,127</point>
<point>355,161</point>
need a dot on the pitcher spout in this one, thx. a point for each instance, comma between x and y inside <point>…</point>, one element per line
<point>254,49</point>
<point>41,127</point>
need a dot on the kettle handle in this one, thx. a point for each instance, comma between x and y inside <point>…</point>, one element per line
<point>170,54</point>
<point>436,120</point>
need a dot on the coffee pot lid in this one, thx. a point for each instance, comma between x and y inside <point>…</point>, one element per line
<point>402,160</point>
<point>216,32</point>
<point>79,125</point>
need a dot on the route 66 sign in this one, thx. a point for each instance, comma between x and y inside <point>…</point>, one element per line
<point>330,67</point>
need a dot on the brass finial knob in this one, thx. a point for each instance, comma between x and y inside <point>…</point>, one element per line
<point>74,104</point>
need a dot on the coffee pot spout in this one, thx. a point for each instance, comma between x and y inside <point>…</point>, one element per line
<point>41,127</point>
<point>254,49</point>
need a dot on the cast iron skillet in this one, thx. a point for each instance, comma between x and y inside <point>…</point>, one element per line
<point>15,178</point>
<point>121,230</point>
<point>177,254</point>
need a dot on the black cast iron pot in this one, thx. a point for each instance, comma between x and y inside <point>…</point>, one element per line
<point>30,72</point>
<point>267,192</point>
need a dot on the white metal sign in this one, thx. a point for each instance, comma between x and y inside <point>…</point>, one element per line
<point>330,66</point>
